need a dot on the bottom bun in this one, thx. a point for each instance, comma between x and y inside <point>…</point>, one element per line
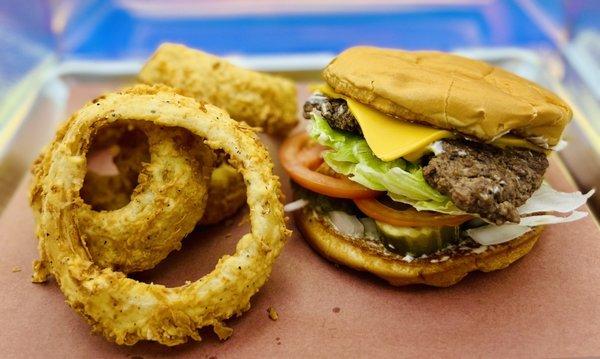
<point>442,269</point>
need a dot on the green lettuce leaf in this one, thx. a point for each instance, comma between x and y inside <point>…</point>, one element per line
<point>350,155</point>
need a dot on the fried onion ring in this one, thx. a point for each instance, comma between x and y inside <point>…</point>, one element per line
<point>259,99</point>
<point>168,202</point>
<point>110,192</point>
<point>227,192</point>
<point>122,309</point>
<point>226,195</point>
<point>166,205</point>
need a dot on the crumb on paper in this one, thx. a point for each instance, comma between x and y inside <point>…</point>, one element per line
<point>273,314</point>
<point>336,310</point>
<point>222,331</point>
<point>16,269</point>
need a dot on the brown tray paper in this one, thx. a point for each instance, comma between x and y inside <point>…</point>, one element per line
<point>546,304</point>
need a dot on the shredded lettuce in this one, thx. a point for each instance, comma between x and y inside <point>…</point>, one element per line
<point>351,156</point>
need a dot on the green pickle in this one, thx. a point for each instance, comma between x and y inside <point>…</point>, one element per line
<point>416,240</point>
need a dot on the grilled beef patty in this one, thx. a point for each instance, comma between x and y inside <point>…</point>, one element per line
<point>334,111</point>
<point>486,180</point>
<point>478,178</point>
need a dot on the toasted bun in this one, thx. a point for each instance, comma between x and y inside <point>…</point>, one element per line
<point>441,270</point>
<point>449,92</point>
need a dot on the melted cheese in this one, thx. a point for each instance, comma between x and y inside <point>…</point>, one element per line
<point>390,138</point>
<point>514,141</point>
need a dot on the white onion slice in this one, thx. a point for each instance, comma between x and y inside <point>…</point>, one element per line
<point>492,234</point>
<point>542,219</point>
<point>436,147</point>
<point>346,223</point>
<point>296,205</point>
<point>547,199</point>
<point>561,145</point>
<point>370,228</point>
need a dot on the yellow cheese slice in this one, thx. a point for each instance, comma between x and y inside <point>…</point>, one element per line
<point>514,141</point>
<point>390,138</point>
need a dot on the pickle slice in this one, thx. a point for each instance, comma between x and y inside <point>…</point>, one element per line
<point>416,240</point>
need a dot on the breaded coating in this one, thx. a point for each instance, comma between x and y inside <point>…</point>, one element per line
<point>226,192</point>
<point>122,309</point>
<point>164,207</point>
<point>110,192</point>
<point>259,99</point>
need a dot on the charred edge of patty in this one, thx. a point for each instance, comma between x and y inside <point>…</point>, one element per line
<point>334,111</point>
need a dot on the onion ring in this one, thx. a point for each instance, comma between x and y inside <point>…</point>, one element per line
<point>227,192</point>
<point>110,192</point>
<point>122,309</point>
<point>226,195</point>
<point>172,192</point>
<point>168,202</point>
<point>259,99</point>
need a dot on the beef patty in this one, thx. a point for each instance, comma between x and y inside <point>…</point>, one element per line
<point>334,111</point>
<point>486,180</point>
<point>478,178</point>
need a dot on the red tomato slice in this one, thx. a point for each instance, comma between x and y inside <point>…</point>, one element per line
<point>409,217</point>
<point>300,157</point>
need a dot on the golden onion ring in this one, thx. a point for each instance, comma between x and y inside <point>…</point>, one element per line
<point>125,310</point>
<point>259,99</point>
<point>165,206</point>
<point>226,193</point>
<point>130,145</point>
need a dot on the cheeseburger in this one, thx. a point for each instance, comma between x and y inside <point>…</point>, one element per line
<point>421,167</point>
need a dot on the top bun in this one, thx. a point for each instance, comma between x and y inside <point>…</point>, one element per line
<point>450,92</point>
